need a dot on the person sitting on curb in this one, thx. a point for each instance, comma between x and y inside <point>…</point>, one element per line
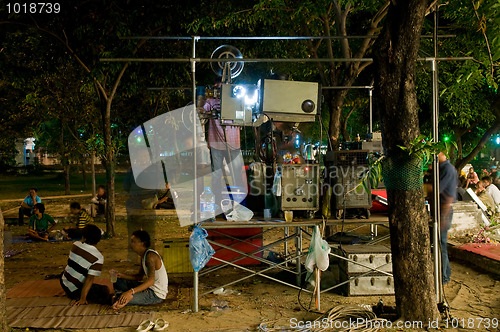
<point>493,191</point>
<point>485,197</point>
<point>26,208</point>
<point>84,264</point>
<point>472,178</point>
<point>132,289</point>
<point>83,219</point>
<point>39,224</point>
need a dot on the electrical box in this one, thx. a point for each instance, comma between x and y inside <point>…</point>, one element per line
<point>345,175</point>
<point>290,101</point>
<point>300,187</point>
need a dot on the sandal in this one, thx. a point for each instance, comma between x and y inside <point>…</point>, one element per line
<point>145,326</point>
<point>160,324</point>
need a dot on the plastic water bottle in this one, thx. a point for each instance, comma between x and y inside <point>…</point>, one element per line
<point>207,205</point>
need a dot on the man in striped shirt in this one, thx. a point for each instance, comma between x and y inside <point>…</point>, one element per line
<point>83,219</point>
<point>84,264</point>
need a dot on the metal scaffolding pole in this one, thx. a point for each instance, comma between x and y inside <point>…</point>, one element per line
<point>195,169</point>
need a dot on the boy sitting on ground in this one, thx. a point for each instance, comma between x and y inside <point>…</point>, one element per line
<point>83,219</point>
<point>154,288</point>
<point>84,264</point>
<point>39,224</point>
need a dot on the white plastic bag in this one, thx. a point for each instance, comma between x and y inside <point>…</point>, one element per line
<point>318,252</point>
<point>277,183</point>
<point>239,213</point>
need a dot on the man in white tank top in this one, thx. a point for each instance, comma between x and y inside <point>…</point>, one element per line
<point>150,285</point>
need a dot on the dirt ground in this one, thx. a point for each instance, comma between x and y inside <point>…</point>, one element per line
<point>471,293</point>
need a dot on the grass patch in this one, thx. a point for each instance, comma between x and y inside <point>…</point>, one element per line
<point>51,184</point>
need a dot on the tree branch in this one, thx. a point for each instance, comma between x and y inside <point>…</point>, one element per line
<point>483,30</point>
<point>374,28</point>
<point>459,164</point>
<point>341,28</point>
<point>314,54</point>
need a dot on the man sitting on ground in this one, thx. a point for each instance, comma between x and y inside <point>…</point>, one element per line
<point>166,200</point>
<point>98,204</point>
<point>154,288</point>
<point>39,224</point>
<point>83,219</point>
<point>26,208</point>
<point>84,264</point>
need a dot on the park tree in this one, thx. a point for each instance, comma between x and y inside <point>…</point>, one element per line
<point>88,31</point>
<point>65,112</point>
<point>395,53</point>
<point>12,123</point>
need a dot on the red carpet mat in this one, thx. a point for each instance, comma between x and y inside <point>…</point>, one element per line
<point>490,250</point>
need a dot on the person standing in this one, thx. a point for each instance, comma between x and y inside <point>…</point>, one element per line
<point>448,182</point>
<point>26,208</point>
<point>84,264</point>
<point>224,144</point>
<point>39,224</point>
<point>150,285</point>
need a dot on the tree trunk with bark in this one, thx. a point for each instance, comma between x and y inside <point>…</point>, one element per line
<point>84,174</point>
<point>109,165</point>
<point>92,171</point>
<point>336,101</point>
<point>395,53</point>
<point>66,169</point>
<point>3,307</point>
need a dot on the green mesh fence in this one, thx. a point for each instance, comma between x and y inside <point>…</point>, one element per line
<point>403,173</point>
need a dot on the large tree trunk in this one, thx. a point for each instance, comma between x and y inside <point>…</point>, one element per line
<point>3,308</point>
<point>344,121</point>
<point>109,164</point>
<point>66,169</point>
<point>396,52</point>
<point>336,101</point>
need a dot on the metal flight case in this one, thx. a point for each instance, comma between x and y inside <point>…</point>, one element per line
<point>368,268</point>
<point>345,174</point>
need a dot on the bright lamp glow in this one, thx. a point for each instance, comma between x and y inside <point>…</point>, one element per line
<point>252,100</point>
<point>239,91</point>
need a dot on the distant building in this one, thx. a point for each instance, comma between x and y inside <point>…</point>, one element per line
<point>45,158</point>
<point>26,151</point>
